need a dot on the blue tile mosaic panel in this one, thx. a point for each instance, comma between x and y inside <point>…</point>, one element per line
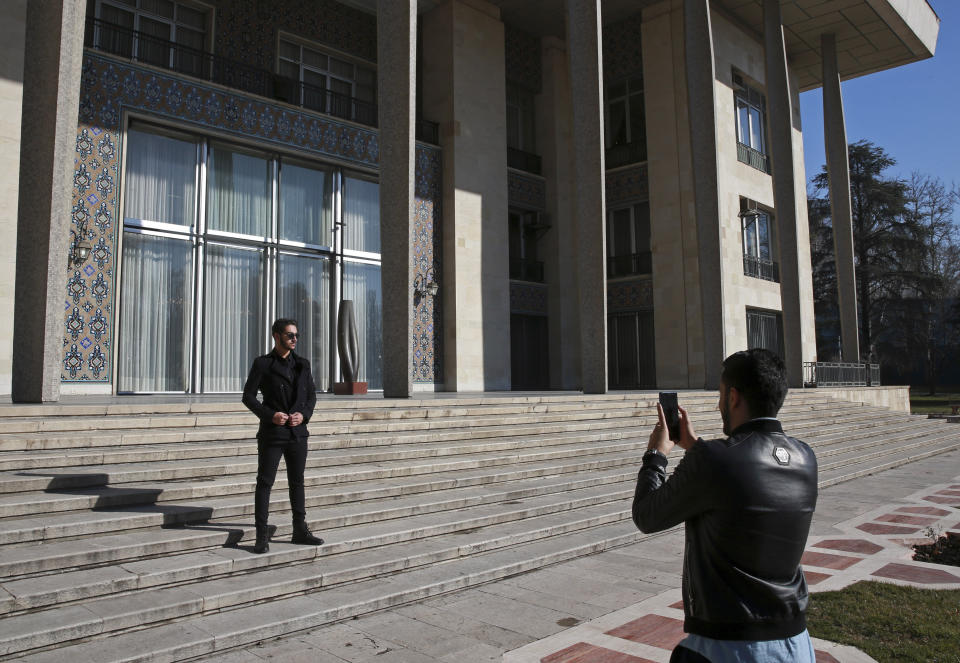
<point>631,295</point>
<point>526,192</point>
<point>523,63</point>
<point>622,54</point>
<point>528,298</point>
<point>627,185</point>
<point>108,88</point>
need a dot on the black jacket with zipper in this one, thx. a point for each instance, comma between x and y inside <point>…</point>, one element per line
<point>747,502</point>
<point>287,387</point>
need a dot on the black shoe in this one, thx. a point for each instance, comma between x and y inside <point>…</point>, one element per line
<point>263,537</point>
<point>302,535</point>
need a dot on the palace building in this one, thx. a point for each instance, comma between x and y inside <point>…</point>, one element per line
<point>515,194</point>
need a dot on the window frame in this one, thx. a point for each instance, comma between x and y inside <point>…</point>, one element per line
<point>174,23</point>
<point>752,97</point>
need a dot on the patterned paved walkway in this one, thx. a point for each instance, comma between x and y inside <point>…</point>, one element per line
<point>875,545</point>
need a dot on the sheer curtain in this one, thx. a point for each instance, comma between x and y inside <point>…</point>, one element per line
<point>304,205</point>
<point>361,214</point>
<point>156,313</point>
<point>304,286</point>
<point>234,316</point>
<point>361,283</point>
<point>160,179</point>
<point>239,197</point>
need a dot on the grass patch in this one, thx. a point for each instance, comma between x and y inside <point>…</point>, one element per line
<point>890,622</point>
<point>923,403</point>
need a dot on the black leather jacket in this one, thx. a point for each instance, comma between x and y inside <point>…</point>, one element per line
<point>286,388</point>
<point>747,502</point>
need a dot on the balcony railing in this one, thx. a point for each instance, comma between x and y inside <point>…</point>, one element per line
<point>523,269</point>
<point>627,265</point>
<point>141,47</point>
<point>526,161</point>
<point>839,374</point>
<point>752,157</point>
<point>625,153</point>
<point>759,268</point>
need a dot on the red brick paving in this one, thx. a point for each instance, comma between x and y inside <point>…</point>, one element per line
<point>653,630</point>
<point>915,574</point>
<point>824,657</point>
<point>828,561</point>
<point>583,652</point>
<point>814,578</point>
<point>907,520</point>
<point>955,493</point>
<point>851,545</point>
<point>678,605</point>
<point>925,510</point>
<point>876,528</point>
<point>942,499</point>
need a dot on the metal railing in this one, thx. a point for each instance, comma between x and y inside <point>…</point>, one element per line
<point>141,47</point>
<point>526,161</point>
<point>626,265</point>
<point>523,269</point>
<point>625,153</point>
<point>752,157</point>
<point>840,374</point>
<point>759,268</point>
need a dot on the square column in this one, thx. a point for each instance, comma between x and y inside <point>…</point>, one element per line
<point>702,117</point>
<point>780,114</point>
<point>396,76</point>
<point>584,43</point>
<point>838,169</point>
<point>51,100</point>
<point>464,90</point>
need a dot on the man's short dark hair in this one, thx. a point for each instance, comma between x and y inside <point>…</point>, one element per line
<point>282,323</point>
<point>760,377</point>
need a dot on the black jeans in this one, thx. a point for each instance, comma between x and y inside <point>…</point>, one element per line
<point>683,655</point>
<point>294,454</point>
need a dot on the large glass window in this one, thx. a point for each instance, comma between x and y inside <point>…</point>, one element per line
<point>206,269</point>
<point>521,125</point>
<point>523,235</point>
<point>328,82</point>
<point>625,122</point>
<point>765,330</point>
<point>630,350</point>
<point>757,232</point>
<point>751,116</point>
<point>628,240</point>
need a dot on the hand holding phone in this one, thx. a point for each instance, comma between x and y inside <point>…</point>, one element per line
<point>671,412</point>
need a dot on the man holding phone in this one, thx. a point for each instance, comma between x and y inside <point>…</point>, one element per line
<point>747,502</point>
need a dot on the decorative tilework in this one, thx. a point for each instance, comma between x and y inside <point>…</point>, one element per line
<point>529,298</point>
<point>523,64</point>
<point>109,87</point>
<point>628,184</point>
<point>526,192</point>
<point>426,251</point>
<point>632,295</point>
<point>622,54</point>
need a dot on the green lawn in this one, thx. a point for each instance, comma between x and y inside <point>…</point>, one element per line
<point>889,622</point>
<point>922,403</point>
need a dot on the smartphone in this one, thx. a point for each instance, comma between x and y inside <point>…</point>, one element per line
<point>671,412</point>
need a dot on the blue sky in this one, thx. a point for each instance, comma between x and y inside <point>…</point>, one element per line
<point>910,111</point>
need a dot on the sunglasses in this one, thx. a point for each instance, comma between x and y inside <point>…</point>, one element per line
<point>291,336</point>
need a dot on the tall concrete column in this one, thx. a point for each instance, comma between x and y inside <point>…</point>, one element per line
<point>841,214</point>
<point>51,99</point>
<point>584,44</point>
<point>780,120</point>
<point>698,48</point>
<point>555,137</point>
<point>464,90</point>
<point>396,74</point>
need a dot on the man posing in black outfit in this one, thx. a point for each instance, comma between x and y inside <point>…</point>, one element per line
<point>289,397</point>
<point>747,501</point>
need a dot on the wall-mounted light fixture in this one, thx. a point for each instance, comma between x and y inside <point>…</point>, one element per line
<point>753,211</point>
<point>425,285</point>
<point>79,247</point>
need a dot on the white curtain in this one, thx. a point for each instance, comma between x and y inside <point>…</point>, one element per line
<point>304,207</point>
<point>361,215</point>
<point>239,193</point>
<point>156,314</point>
<point>304,287</point>
<point>361,283</point>
<point>234,316</point>
<point>160,179</point>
